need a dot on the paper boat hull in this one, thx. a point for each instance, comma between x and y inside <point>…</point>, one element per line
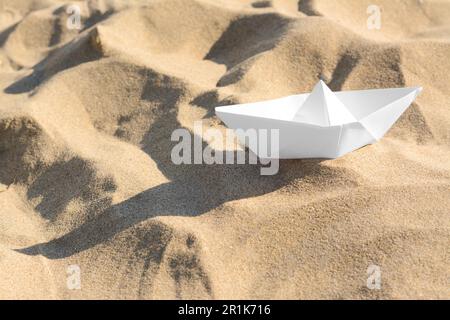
<point>301,140</point>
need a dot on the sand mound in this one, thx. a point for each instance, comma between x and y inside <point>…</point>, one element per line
<point>86,177</point>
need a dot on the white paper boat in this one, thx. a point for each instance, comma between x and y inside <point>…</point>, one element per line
<point>322,124</point>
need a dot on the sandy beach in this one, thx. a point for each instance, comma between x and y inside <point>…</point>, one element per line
<point>93,207</point>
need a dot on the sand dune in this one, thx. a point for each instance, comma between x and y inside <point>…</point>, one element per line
<point>85,171</point>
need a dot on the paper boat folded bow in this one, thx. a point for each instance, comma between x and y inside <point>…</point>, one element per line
<point>322,124</point>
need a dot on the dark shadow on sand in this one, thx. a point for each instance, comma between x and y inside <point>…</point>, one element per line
<point>68,56</point>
